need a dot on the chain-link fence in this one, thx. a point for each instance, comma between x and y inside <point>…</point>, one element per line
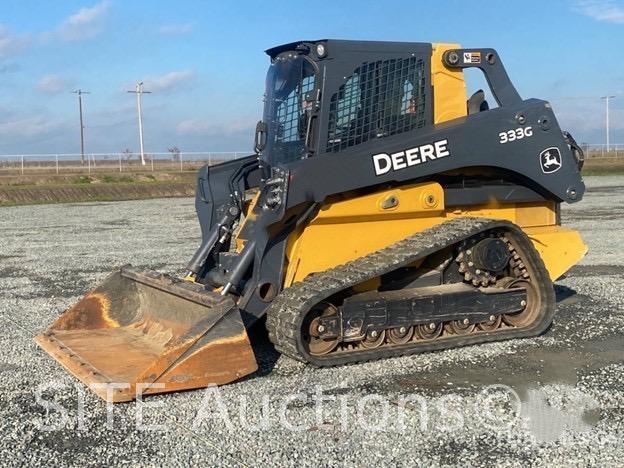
<point>18,164</point>
<point>602,151</point>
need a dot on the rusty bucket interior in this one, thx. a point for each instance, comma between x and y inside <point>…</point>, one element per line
<point>143,333</point>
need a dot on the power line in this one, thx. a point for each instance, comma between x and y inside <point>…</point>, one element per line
<point>80,92</point>
<point>139,93</point>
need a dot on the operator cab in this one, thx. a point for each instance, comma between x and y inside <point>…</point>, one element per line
<point>370,90</point>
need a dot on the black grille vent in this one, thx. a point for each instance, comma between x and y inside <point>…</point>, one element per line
<point>380,99</point>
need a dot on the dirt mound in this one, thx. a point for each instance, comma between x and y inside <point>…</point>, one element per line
<point>93,192</point>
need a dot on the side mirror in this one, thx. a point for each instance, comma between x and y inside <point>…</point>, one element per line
<point>260,139</point>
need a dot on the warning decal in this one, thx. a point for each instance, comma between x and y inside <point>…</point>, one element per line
<point>472,57</point>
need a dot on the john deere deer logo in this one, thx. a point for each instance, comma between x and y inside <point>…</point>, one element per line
<point>550,160</point>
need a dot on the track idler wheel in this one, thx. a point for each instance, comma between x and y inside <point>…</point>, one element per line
<point>311,334</point>
<point>532,305</point>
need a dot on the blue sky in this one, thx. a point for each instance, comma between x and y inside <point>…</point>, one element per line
<point>205,64</point>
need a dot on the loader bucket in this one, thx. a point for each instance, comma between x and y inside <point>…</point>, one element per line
<point>144,333</point>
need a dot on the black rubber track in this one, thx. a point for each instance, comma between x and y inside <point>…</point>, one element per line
<point>286,313</point>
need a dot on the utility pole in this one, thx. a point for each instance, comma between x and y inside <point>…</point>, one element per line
<point>607,98</point>
<point>80,92</point>
<point>139,93</point>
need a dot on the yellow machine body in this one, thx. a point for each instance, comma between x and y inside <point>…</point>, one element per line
<point>349,228</point>
<point>449,87</point>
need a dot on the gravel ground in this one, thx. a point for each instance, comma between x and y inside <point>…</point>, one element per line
<point>557,399</point>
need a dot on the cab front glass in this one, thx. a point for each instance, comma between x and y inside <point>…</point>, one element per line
<point>290,85</point>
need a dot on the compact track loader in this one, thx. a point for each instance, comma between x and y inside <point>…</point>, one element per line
<point>384,213</point>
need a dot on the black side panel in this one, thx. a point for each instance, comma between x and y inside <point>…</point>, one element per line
<point>213,188</point>
<point>472,141</point>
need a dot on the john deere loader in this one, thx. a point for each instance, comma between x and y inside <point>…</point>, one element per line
<point>384,213</point>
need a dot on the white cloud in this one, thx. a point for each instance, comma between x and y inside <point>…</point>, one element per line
<point>86,23</point>
<point>168,81</point>
<point>607,11</point>
<point>10,43</point>
<point>29,127</point>
<point>584,116</point>
<point>52,84</point>
<point>202,127</point>
<point>175,29</point>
